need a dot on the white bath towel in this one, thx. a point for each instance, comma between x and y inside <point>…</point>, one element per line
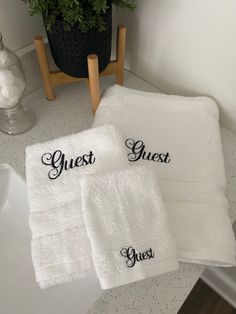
<point>60,245</point>
<point>127,226</point>
<point>180,138</point>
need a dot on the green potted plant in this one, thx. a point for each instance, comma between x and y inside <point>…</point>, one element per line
<point>77,28</point>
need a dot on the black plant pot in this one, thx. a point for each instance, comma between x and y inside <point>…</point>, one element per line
<point>71,48</point>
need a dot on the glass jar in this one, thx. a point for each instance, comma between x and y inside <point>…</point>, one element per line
<point>13,118</point>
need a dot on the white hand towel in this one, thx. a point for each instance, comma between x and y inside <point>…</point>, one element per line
<point>127,226</point>
<point>60,245</point>
<point>180,138</point>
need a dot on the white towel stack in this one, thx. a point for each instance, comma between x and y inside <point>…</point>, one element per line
<point>93,214</point>
<point>60,247</point>
<point>127,226</point>
<point>180,138</point>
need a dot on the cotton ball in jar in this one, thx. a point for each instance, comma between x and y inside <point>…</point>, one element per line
<point>3,100</point>
<point>6,58</point>
<point>12,82</point>
<point>6,77</point>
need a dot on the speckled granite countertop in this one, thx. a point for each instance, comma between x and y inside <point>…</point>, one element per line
<point>71,112</point>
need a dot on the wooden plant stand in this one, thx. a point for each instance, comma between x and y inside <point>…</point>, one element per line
<point>51,79</point>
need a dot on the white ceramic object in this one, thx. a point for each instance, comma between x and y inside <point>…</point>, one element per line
<point>19,292</point>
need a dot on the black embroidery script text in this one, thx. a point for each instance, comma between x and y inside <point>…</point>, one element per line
<point>138,152</point>
<point>133,256</point>
<point>59,163</point>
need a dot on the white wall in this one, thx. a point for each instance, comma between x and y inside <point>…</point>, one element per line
<point>186,47</point>
<point>16,25</point>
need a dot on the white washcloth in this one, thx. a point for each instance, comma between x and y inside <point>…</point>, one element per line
<point>180,138</point>
<point>127,226</point>
<point>60,245</point>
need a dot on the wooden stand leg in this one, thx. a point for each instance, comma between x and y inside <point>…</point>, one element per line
<point>52,79</point>
<point>44,67</point>
<point>94,84</point>
<point>120,54</point>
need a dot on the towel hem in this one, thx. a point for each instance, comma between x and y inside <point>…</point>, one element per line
<point>60,269</point>
<point>198,257</point>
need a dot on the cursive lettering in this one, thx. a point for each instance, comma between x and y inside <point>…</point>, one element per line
<point>138,152</point>
<point>133,257</point>
<point>59,163</point>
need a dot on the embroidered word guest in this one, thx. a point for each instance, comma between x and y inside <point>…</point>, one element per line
<point>138,152</point>
<point>58,162</point>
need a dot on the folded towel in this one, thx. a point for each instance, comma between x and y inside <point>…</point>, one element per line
<point>180,138</point>
<point>127,226</point>
<point>60,246</point>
